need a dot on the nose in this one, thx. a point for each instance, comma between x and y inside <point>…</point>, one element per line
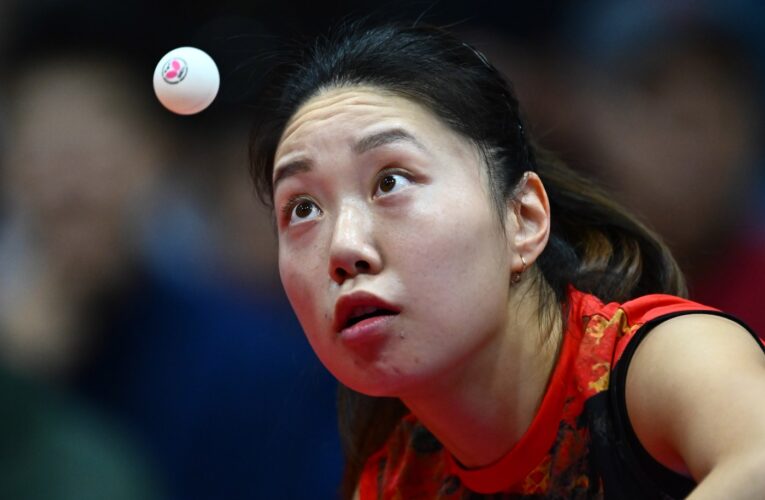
<point>352,249</point>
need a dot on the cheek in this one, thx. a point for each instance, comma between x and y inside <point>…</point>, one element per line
<point>300,275</point>
<point>455,262</point>
<point>455,240</point>
<point>302,284</point>
<point>467,278</point>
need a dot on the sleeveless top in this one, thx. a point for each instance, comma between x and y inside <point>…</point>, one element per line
<point>580,443</point>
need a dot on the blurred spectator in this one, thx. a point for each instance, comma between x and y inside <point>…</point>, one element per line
<point>56,244</point>
<point>178,330</point>
<point>80,166</point>
<point>676,126</point>
<point>662,101</point>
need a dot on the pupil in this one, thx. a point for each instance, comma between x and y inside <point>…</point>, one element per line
<point>303,210</point>
<point>387,183</point>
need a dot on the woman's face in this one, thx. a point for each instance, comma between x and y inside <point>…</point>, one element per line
<point>390,250</point>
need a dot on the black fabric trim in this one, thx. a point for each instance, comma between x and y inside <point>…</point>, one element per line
<point>665,479</point>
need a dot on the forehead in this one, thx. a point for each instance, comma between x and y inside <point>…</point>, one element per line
<point>351,112</point>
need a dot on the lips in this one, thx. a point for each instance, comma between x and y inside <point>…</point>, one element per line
<point>359,306</point>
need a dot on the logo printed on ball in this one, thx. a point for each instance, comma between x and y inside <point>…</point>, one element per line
<point>174,70</point>
<point>182,90</point>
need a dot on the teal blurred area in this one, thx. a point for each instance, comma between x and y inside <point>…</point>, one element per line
<point>54,449</point>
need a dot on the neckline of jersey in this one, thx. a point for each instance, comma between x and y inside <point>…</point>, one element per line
<point>507,473</point>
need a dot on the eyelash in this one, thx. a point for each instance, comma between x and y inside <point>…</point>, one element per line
<point>392,171</point>
<point>292,203</point>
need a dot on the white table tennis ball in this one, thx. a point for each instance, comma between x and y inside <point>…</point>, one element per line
<point>186,80</point>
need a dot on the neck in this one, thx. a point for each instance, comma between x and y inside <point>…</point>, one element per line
<point>485,406</point>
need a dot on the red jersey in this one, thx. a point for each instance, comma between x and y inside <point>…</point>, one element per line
<point>580,443</point>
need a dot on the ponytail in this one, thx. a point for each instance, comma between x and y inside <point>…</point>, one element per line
<point>596,245</point>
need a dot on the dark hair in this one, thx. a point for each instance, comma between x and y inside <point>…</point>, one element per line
<point>594,244</point>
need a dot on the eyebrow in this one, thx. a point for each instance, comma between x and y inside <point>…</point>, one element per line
<point>384,138</point>
<point>364,145</point>
<point>289,169</point>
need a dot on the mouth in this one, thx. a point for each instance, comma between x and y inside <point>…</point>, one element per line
<point>360,306</point>
<point>362,313</point>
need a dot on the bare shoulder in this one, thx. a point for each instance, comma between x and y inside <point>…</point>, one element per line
<point>697,337</point>
<point>695,392</point>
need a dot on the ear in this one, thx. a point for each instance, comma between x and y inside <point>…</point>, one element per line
<point>528,217</point>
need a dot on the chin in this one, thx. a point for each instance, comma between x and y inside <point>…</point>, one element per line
<point>391,383</point>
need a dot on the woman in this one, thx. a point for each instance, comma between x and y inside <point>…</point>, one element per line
<point>480,302</point>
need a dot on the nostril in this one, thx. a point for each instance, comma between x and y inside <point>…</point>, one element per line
<point>344,272</point>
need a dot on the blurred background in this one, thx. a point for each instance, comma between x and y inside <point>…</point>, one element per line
<point>146,348</point>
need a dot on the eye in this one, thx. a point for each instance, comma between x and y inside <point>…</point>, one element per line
<point>391,182</point>
<point>301,210</point>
